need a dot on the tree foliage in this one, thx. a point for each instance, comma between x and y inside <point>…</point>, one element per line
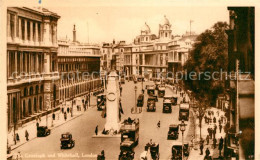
<point>208,56</point>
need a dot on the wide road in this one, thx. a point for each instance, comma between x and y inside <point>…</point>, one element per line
<point>82,129</point>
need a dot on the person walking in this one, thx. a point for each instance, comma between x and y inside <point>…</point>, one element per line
<point>214,120</point>
<point>220,128</point>
<point>207,152</point>
<point>159,124</point>
<point>121,90</point>
<point>17,137</point>
<point>207,139</point>
<point>201,148</point>
<point>26,135</point>
<point>220,147</point>
<point>68,110</point>
<point>214,143</point>
<point>96,130</point>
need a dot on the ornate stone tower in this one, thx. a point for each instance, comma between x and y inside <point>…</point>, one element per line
<point>165,31</point>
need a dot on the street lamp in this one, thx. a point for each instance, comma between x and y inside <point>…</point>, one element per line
<point>135,99</point>
<point>182,128</point>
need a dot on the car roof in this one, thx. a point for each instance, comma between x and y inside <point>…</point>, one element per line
<point>174,125</point>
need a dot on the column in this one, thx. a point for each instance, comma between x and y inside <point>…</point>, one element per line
<point>9,39</point>
<point>31,33</point>
<point>143,60</point>
<point>46,63</point>
<point>37,63</point>
<point>164,60</point>
<point>46,33</point>
<point>21,61</point>
<point>25,32</point>
<point>29,63</point>
<point>15,63</point>
<point>177,56</point>
<point>15,29</point>
<point>20,30</point>
<point>158,59</point>
<point>36,42</point>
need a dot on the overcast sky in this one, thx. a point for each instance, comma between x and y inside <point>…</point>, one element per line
<point>105,23</point>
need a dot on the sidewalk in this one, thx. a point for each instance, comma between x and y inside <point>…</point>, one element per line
<point>195,154</point>
<point>59,120</point>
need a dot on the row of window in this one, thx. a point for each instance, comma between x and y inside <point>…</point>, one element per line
<point>31,91</point>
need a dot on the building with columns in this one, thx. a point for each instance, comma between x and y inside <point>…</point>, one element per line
<point>152,55</point>
<point>32,69</point>
<point>79,68</point>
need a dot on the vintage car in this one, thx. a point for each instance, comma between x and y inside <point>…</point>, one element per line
<point>151,104</point>
<point>167,106</point>
<point>173,132</point>
<point>150,90</point>
<point>177,151</point>
<point>140,100</point>
<point>174,100</point>
<point>66,140</point>
<point>154,151</point>
<point>101,102</point>
<point>43,131</point>
<point>184,111</point>
<point>161,91</point>
<point>126,153</point>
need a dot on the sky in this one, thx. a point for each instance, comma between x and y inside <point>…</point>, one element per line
<point>97,24</point>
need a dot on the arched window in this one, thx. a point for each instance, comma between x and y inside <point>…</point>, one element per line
<point>34,105</point>
<point>36,89</point>
<point>30,106</point>
<point>40,103</point>
<point>42,88</point>
<point>31,91</point>
<point>24,109</point>
<point>25,92</point>
<point>166,34</point>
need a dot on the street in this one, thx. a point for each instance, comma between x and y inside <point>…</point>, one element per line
<point>83,127</point>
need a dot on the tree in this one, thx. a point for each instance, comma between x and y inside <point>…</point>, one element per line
<point>206,61</point>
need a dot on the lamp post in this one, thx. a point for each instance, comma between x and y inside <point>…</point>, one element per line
<point>135,99</point>
<point>182,128</point>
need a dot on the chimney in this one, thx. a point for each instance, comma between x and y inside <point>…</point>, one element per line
<point>74,33</point>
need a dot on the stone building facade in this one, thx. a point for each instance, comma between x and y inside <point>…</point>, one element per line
<point>32,70</point>
<point>79,68</point>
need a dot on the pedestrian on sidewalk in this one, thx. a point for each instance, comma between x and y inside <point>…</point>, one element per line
<point>220,128</point>
<point>214,133</point>
<point>96,130</point>
<point>53,116</point>
<point>17,137</point>
<point>207,152</point>
<point>62,110</point>
<point>220,146</point>
<point>218,113</point>
<point>207,139</point>
<point>201,148</point>
<point>214,143</point>
<point>121,90</point>
<point>68,110</point>
<point>214,120</point>
<point>26,135</point>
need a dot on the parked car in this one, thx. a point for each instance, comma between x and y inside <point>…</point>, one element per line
<point>43,131</point>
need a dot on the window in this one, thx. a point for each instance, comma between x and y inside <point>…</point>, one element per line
<point>23,29</point>
<point>165,34</point>
<point>28,30</point>
<point>146,38</point>
<point>39,32</point>
<point>31,91</point>
<point>12,25</point>
<point>25,92</point>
